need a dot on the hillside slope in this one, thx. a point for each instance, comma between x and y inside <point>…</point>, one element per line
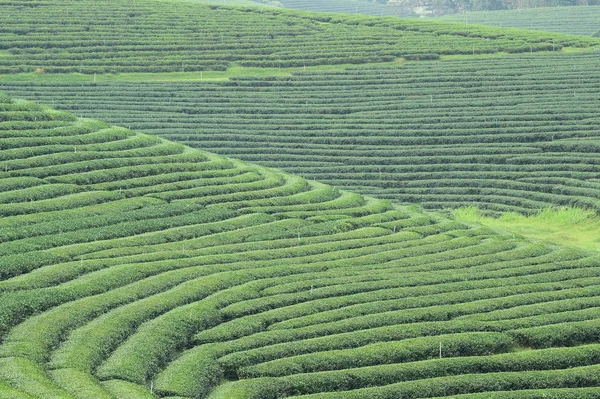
<point>338,6</point>
<point>345,6</point>
<point>133,265</point>
<point>102,36</point>
<point>515,133</point>
<point>573,20</point>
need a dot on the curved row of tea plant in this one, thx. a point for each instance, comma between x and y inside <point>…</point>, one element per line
<point>518,133</point>
<point>150,36</point>
<point>133,267</point>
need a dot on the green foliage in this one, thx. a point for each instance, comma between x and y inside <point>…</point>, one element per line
<point>573,20</point>
<point>446,134</point>
<point>80,385</point>
<point>30,379</point>
<point>345,380</point>
<point>389,352</point>
<point>570,334</point>
<point>346,6</point>
<point>127,390</point>
<point>134,267</point>
<point>97,37</point>
<point>559,393</point>
<point>473,383</point>
<point>567,226</point>
<point>7,392</point>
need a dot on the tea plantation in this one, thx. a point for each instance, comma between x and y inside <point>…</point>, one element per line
<point>102,36</point>
<point>513,133</point>
<point>296,259</point>
<point>134,267</point>
<point>346,6</point>
<point>574,20</point>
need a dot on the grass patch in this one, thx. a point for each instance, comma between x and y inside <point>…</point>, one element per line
<point>233,71</point>
<point>174,76</point>
<point>502,54</point>
<point>566,226</point>
<point>579,49</point>
<point>473,56</point>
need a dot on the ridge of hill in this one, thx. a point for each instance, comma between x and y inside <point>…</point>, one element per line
<point>513,133</point>
<point>101,36</point>
<point>133,267</point>
<point>336,6</point>
<point>345,6</point>
<point>581,20</point>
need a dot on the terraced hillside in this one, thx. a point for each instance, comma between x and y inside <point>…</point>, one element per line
<point>338,6</point>
<point>573,20</point>
<point>346,6</point>
<point>102,36</point>
<point>133,267</point>
<point>229,2</point>
<point>511,133</point>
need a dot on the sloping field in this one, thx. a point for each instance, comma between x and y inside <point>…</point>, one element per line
<point>338,6</point>
<point>100,36</point>
<point>346,6</point>
<point>574,20</point>
<point>133,265</point>
<point>227,2</point>
<point>514,133</point>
